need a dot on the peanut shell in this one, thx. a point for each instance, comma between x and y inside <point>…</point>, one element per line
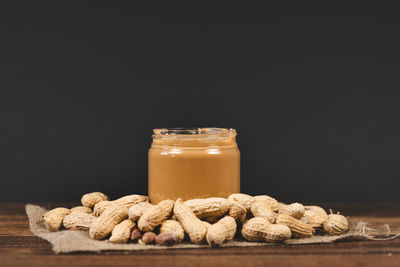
<point>267,200</point>
<point>296,210</point>
<point>91,199</point>
<point>238,212</point>
<point>155,215</point>
<point>336,224</point>
<point>82,209</point>
<point>174,227</point>
<point>53,219</point>
<point>122,231</point>
<point>262,209</point>
<point>259,229</point>
<point>222,231</point>
<point>212,207</point>
<point>297,227</point>
<point>78,220</point>
<point>135,211</point>
<point>193,226</point>
<point>103,225</point>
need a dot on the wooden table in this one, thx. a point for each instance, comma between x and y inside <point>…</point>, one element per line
<point>18,247</point>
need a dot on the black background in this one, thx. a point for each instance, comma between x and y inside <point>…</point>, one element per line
<point>313,90</point>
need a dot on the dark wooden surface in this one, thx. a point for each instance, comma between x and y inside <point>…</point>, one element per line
<point>18,247</point>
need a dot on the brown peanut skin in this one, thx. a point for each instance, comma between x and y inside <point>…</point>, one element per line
<point>149,238</point>
<point>136,235</point>
<point>174,227</point>
<point>166,239</point>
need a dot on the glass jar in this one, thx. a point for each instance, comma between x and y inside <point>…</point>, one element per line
<point>193,163</point>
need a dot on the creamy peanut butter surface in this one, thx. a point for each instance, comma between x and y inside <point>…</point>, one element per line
<point>193,163</point>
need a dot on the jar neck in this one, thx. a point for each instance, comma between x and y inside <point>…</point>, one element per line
<point>194,137</point>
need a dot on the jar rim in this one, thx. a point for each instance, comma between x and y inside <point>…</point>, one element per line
<point>163,133</point>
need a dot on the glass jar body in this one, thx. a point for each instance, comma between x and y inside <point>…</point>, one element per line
<point>193,170</point>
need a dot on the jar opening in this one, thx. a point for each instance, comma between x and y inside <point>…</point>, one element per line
<point>194,131</point>
<point>198,135</point>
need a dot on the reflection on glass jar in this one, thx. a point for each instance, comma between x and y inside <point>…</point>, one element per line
<point>193,163</point>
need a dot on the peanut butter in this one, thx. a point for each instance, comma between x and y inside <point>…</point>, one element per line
<point>193,163</point>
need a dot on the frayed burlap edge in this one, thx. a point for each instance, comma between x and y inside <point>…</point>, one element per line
<point>72,241</point>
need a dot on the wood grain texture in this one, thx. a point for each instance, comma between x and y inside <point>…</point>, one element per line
<point>18,247</point>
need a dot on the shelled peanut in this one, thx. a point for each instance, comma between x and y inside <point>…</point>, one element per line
<point>212,220</point>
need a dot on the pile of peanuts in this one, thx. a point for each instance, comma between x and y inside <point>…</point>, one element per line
<point>213,220</point>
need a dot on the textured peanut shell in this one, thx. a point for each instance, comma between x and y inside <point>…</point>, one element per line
<point>336,224</point>
<point>131,199</point>
<point>238,212</point>
<point>212,207</point>
<point>280,205</point>
<point>316,209</point>
<point>193,226</point>
<point>314,218</point>
<point>101,206</point>
<point>296,210</point>
<point>259,229</point>
<point>82,209</point>
<point>91,199</point>
<point>262,209</point>
<point>297,227</point>
<point>207,225</point>
<point>122,231</point>
<point>126,201</point>
<point>244,199</point>
<point>78,220</point>
<point>135,211</point>
<point>103,225</point>
<point>53,219</point>
<point>222,231</point>
<point>267,200</point>
<point>173,227</point>
<point>155,215</point>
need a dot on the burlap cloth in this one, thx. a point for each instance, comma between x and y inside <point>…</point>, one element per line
<point>66,241</point>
